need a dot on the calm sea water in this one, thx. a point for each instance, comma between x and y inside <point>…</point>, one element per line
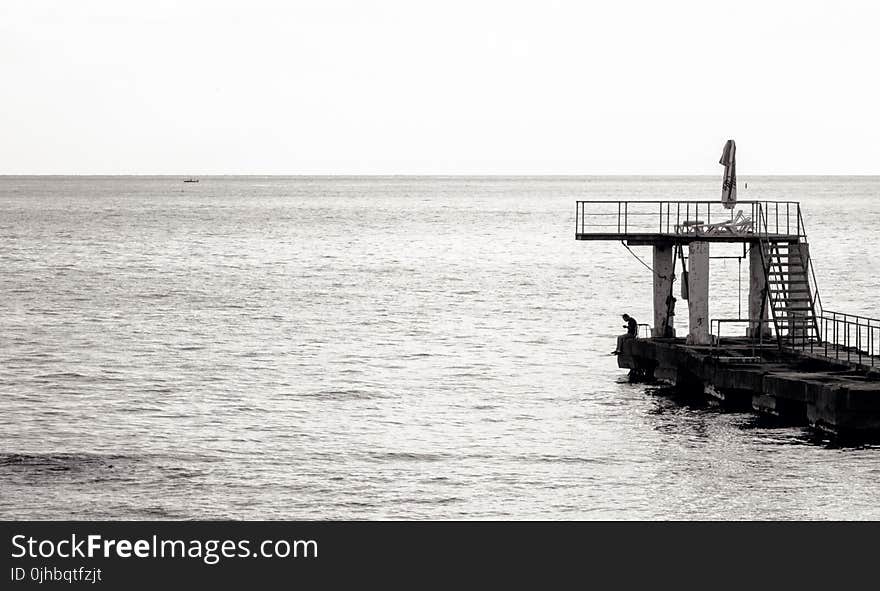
<point>291,348</point>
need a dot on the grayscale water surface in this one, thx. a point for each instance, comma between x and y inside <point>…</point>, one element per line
<point>285,348</point>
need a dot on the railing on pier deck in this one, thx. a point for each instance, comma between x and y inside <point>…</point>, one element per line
<point>622,219</point>
<point>855,339</point>
<point>845,337</point>
<point>753,327</point>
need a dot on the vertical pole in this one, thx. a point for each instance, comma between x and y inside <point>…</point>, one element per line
<point>583,215</point>
<point>618,217</point>
<point>859,340</point>
<point>825,327</point>
<point>837,338</point>
<point>846,325</point>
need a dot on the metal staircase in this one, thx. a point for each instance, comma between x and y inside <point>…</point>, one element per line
<point>789,294</point>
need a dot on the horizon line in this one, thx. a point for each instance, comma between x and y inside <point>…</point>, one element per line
<point>425,175</point>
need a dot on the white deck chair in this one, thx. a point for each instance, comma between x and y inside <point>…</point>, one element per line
<point>740,224</point>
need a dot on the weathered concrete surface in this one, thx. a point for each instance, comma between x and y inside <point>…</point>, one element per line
<point>797,271</point>
<point>827,396</point>
<point>698,294</point>
<point>757,291</point>
<point>663,272</point>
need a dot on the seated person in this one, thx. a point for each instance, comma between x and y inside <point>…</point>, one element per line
<point>632,331</point>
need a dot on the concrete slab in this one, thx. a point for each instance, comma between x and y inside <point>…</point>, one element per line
<point>827,396</point>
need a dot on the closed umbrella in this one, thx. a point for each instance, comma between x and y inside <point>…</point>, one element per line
<point>728,185</point>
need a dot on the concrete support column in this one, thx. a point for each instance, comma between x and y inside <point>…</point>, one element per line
<point>798,328</point>
<point>698,294</point>
<point>663,268</point>
<point>757,292</point>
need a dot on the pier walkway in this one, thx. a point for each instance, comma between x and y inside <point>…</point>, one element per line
<point>830,397</point>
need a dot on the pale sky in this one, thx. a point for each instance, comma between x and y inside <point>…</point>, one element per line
<point>447,87</point>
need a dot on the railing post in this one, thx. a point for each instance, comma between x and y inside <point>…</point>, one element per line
<point>825,328</point>
<point>846,332</point>
<point>859,341</point>
<point>834,336</point>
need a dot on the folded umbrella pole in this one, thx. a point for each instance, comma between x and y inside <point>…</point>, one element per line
<point>728,184</point>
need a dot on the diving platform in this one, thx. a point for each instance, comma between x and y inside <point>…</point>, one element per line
<point>791,356</point>
<point>649,239</point>
<point>643,223</point>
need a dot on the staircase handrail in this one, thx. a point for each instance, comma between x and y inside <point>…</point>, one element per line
<point>817,298</point>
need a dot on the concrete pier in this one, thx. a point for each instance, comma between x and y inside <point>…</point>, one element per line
<point>831,397</point>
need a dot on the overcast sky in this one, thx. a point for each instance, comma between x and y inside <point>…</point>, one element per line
<point>473,87</point>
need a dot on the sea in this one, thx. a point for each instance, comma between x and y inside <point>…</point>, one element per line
<point>385,348</point>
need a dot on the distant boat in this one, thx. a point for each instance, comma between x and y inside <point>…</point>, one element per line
<point>190,180</point>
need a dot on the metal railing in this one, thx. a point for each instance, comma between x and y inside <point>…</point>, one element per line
<point>776,218</point>
<point>855,339</point>
<point>756,343</point>
<point>813,284</point>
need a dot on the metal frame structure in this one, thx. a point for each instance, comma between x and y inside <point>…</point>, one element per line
<point>682,221</point>
<point>774,225</point>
